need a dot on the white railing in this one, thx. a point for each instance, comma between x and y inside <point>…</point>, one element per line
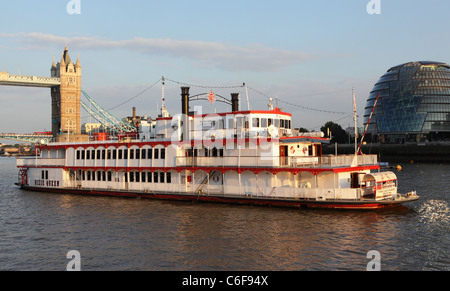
<point>270,161</point>
<point>225,161</point>
<point>37,162</point>
<point>348,160</point>
<point>293,193</point>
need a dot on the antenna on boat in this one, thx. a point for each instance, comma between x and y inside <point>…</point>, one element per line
<point>270,104</point>
<point>246,92</point>
<point>368,122</point>
<point>164,112</point>
<point>355,117</point>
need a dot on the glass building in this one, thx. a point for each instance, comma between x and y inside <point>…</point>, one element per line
<point>413,104</point>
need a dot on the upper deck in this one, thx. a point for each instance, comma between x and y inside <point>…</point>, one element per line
<point>294,154</point>
<point>240,139</point>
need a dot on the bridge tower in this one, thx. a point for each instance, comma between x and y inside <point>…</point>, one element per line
<point>66,102</point>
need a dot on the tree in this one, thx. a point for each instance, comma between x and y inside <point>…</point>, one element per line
<point>337,133</point>
<point>302,129</point>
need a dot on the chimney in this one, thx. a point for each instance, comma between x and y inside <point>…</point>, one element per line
<point>234,102</point>
<point>134,113</point>
<point>185,100</point>
<point>185,112</point>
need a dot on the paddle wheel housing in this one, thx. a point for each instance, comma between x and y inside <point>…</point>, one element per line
<point>23,176</point>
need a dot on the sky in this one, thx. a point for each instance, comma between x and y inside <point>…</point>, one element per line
<point>308,55</point>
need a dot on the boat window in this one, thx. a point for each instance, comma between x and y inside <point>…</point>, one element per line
<point>149,177</point>
<point>190,153</point>
<point>156,154</point>
<point>162,177</point>
<point>263,122</point>
<point>255,122</point>
<point>219,124</point>
<point>138,154</point>
<point>149,154</point>
<point>143,156</point>
<point>163,154</point>
<point>131,154</point>
<point>155,177</point>
<point>231,123</point>
<point>168,177</point>
<point>239,122</point>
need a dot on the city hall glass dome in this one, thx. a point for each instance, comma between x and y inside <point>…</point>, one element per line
<point>413,104</point>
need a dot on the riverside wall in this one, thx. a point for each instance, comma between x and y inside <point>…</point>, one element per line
<point>408,152</point>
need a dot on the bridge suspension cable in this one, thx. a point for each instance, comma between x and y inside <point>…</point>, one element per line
<point>104,117</point>
<point>137,95</point>
<point>107,119</point>
<point>266,96</point>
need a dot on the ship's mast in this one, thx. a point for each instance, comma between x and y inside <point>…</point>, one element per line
<point>164,112</point>
<point>270,104</point>
<point>246,93</point>
<point>355,116</point>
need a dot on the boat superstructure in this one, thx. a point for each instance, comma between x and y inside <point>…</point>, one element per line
<point>250,157</point>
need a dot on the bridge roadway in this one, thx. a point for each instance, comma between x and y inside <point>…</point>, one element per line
<point>28,81</point>
<point>30,138</point>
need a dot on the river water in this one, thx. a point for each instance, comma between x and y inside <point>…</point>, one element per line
<point>37,230</point>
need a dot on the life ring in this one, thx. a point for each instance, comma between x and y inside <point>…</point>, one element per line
<point>216,179</point>
<point>292,150</point>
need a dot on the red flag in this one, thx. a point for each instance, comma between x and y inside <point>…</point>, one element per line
<point>211,97</point>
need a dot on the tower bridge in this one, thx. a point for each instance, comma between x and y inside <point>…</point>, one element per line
<point>65,89</point>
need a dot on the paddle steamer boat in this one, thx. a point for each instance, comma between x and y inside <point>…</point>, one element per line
<point>245,157</point>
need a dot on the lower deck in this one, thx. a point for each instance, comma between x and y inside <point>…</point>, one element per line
<point>363,203</point>
<point>325,185</point>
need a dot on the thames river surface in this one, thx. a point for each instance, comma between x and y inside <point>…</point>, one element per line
<point>37,230</point>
